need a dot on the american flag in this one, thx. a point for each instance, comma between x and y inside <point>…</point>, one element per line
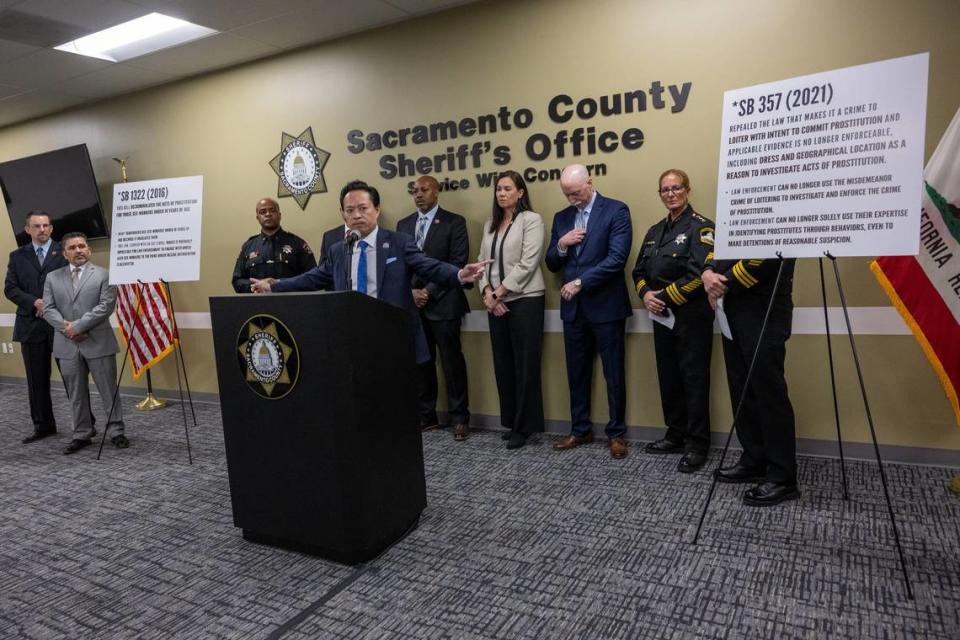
<point>151,333</point>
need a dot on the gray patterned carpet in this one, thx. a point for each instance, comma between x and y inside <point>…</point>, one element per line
<point>513,545</point>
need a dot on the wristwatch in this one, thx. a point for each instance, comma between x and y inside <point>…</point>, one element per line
<point>578,283</point>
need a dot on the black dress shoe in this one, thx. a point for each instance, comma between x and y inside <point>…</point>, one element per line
<point>664,446</point>
<point>120,441</point>
<point>739,473</point>
<point>769,494</point>
<point>506,435</point>
<point>429,425</point>
<point>76,445</point>
<point>691,461</point>
<point>38,435</point>
<point>516,440</point>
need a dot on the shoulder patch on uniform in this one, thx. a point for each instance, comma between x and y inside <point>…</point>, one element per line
<point>706,235</point>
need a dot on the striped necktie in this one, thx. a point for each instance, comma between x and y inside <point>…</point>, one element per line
<point>421,231</point>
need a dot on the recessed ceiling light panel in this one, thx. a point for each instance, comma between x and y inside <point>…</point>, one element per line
<point>137,37</point>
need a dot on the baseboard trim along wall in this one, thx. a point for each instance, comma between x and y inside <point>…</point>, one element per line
<point>638,434</point>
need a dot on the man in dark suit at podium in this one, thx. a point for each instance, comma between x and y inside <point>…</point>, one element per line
<point>378,262</point>
<point>441,235</point>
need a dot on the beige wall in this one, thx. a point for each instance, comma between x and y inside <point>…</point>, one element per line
<point>470,61</point>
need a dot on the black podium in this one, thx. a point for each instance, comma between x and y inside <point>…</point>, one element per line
<point>320,423</point>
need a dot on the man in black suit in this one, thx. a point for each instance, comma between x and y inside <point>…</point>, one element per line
<point>26,272</point>
<point>441,235</point>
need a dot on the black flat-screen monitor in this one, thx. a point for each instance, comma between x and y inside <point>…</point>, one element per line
<point>60,183</point>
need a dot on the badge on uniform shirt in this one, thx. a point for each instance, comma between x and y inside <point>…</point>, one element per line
<point>286,249</point>
<point>706,236</point>
<point>681,238</point>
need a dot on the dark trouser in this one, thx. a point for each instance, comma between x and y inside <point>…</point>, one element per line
<point>582,340</point>
<point>765,427</point>
<point>443,336</point>
<point>683,369</point>
<point>37,365</point>
<point>517,341</point>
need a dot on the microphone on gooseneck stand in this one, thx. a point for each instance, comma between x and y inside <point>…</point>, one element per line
<point>349,241</point>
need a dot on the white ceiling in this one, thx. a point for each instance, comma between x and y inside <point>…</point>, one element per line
<point>36,80</point>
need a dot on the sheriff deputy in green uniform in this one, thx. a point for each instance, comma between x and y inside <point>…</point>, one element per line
<point>667,277</point>
<point>272,253</point>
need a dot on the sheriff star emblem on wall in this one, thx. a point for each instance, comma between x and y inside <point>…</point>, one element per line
<point>299,166</point>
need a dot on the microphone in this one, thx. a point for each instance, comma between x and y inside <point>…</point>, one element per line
<point>348,243</point>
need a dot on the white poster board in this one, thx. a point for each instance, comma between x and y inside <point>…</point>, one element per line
<point>156,230</point>
<point>830,162</point>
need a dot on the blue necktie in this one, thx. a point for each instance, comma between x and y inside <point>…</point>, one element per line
<point>362,268</point>
<point>40,254</point>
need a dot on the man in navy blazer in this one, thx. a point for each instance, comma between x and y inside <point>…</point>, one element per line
<point>26,273</point>
<point>590,243</point>
<point>389,259</point>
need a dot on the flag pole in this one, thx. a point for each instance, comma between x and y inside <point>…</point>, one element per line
<point>151,402</point>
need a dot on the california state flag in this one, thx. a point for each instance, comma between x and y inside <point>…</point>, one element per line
<point>926,288</point>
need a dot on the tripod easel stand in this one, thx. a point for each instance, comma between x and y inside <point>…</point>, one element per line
<point>863,392</point>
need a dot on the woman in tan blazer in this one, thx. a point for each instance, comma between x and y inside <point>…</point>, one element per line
<point>513,293</point>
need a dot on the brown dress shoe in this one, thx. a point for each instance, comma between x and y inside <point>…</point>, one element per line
<point>573,441</point>
<point>618,448</point>
<point>461,431</point>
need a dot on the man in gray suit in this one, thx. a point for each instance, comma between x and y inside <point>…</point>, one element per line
<point>77,302</point>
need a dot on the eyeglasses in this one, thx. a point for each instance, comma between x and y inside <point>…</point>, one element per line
<point>677,188</point>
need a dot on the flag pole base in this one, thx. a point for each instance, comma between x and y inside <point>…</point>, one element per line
<point>151,403</point>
